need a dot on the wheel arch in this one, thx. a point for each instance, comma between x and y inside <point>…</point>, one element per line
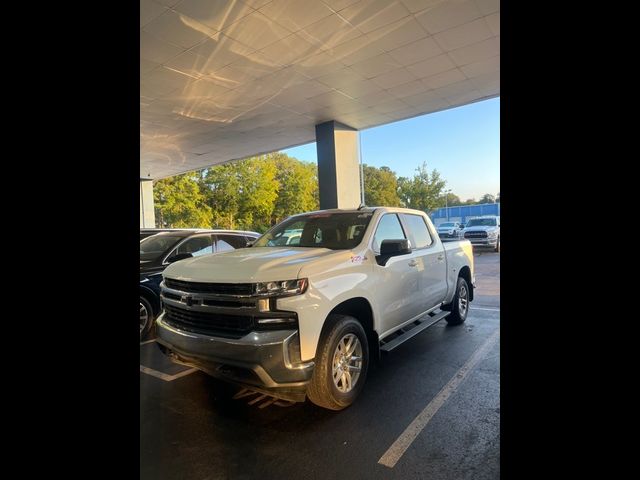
<point>465,272</point>
<point>361,309</point>
<point>152,298</point>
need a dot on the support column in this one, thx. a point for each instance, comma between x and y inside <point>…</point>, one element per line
<point>338,165</point>
<point>147,213</point>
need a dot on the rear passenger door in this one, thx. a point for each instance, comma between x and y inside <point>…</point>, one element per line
<point>432,265</point>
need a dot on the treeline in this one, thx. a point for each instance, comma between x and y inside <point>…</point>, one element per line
<point>258,192</point>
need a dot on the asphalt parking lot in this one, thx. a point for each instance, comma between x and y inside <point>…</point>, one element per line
<point>430,410</point>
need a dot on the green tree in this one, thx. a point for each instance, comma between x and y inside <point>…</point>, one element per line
<point>297,187</point>
<point>451,200</point>
<point>487,198</point>
<point>179,202</point>
<point>380,187</point>
<point>242,194</point>
<point>423,191</point>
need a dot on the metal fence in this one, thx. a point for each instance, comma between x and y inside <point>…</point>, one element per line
<point>463,213</point>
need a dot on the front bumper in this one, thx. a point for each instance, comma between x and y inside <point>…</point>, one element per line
<point>486,242</point>
<point>262,361</point>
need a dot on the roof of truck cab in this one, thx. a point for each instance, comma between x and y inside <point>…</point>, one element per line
<point>365,209</point>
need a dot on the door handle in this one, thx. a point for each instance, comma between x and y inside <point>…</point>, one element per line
<point>440,257</point>
<point>413,263</point>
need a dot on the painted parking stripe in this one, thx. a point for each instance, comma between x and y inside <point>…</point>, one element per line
<point>487,309</point>
<point>164,376</point>
<point>404,441</point>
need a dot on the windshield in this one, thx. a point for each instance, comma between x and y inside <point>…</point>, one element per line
<point>447,225</point>
<point>482,222</point>
<point>337,231</point>
<point>153,247</point>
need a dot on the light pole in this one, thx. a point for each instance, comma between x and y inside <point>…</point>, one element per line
<point>446,202</point>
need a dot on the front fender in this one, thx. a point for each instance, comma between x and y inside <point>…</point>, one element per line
<point>327,290</point>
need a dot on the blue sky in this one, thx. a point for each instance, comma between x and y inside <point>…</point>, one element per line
<point>462,143</point>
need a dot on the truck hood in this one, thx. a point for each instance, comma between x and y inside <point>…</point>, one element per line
<point>247,265</point>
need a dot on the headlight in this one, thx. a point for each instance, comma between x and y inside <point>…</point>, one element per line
<point>281,288</point>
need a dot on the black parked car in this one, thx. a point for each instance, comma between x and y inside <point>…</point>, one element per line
<point>161,249</point>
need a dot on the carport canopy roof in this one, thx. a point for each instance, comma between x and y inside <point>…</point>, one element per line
<point>226,79</point>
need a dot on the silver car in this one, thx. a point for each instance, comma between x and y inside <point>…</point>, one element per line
<point>450,230</point>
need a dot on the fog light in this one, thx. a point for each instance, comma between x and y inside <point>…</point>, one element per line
<point>275,321</point>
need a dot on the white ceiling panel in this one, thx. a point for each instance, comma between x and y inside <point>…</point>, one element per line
<point>294,14</point>
<point>416,51</point>
<point>429,67</point>
<point>368,15</point>
<point>222,80</point>
<point>477,51</point>
<point>447,15</point>
<point>150,10</point>
<point>397,34</point>
<point>175,28</point>
<point>216,14</point>
<point>464,35</point>
<point>256,31</point>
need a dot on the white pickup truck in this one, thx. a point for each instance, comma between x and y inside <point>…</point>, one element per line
<point>306,319</point>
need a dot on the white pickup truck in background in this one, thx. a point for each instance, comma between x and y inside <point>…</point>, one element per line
<point>305,319</point>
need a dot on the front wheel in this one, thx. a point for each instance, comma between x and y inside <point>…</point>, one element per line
<point>460,305</point>
<point>341,366</point>
<point>497,249</point>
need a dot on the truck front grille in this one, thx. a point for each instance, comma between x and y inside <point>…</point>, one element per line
<point>215,288</point>
<point>215,324</point>
<point>475,234</point>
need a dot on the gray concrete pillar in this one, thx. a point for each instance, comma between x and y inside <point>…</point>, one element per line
<point>147,214</point>
<point>338,165</point>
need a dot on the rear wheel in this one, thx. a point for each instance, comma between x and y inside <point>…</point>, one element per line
<point>146,318</point>
<point>341,366</point>
<point>460,305</point>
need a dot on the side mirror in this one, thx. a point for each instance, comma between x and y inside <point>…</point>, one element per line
<point>250,243</point>
<point>179,256</point>
<point>392,248</point>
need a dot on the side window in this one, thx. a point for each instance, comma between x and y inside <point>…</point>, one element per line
<point>230,242</point>
<point>389,228</point>
<point>417,230</point>
<point>197,246</point>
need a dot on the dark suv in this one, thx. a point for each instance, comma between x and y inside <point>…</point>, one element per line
<point>162,249</point>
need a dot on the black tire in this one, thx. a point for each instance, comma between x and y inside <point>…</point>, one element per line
<point>322,389</point>
<point>458,315</point>
<point>144,304</point>
<point>497,249</point>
